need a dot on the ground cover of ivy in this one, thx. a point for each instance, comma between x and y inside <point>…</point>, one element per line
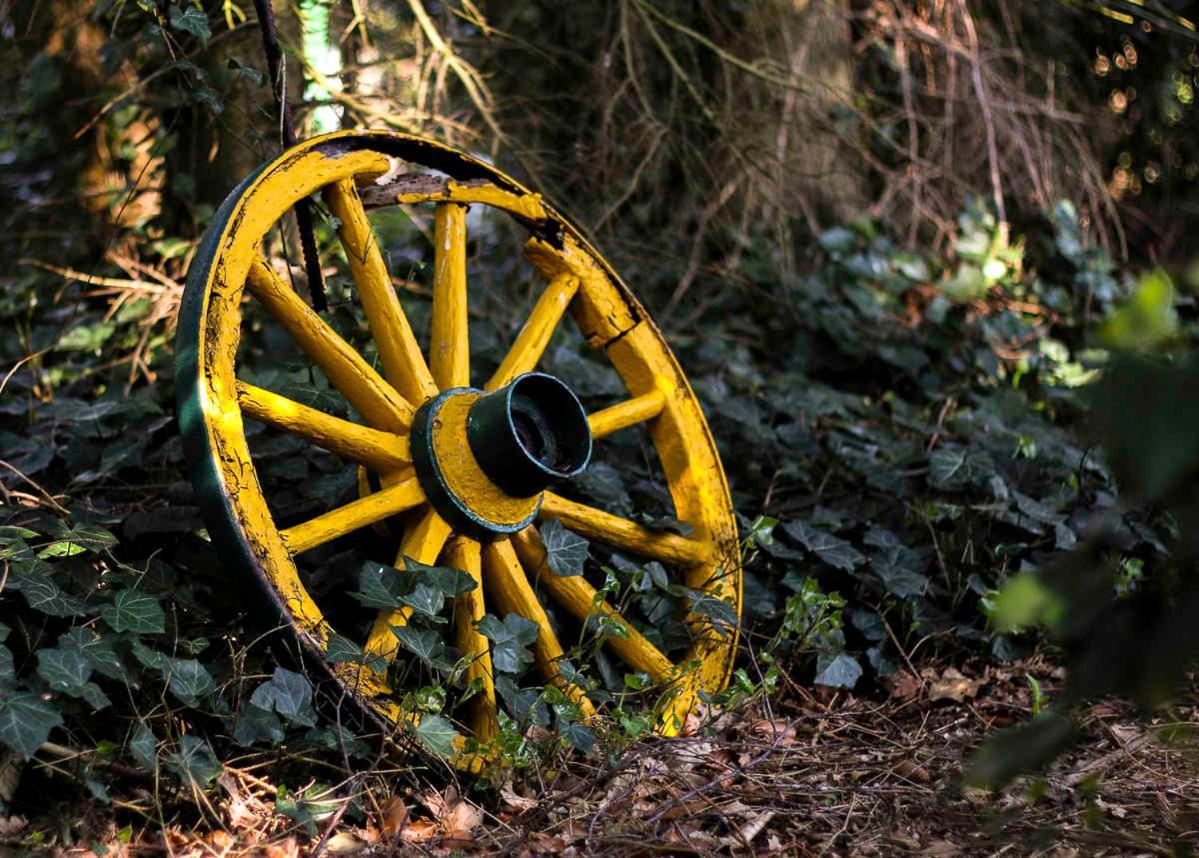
<point>901,433</point>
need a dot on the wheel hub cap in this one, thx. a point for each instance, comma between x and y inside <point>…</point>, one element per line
<point>484,459</point>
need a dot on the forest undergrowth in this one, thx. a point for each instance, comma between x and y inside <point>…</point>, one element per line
<point>922,430</point>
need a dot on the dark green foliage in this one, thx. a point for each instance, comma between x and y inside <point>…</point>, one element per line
<point>510,639</point>
<point>566,552</point>
<point>287,693</point>
<point>26,721</point>
<point>910,459</point>
<point>422,588</point>
<point>1122,605</point>
<point>426,644</point>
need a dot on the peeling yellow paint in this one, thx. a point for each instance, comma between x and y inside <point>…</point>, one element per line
<point>580,282</point>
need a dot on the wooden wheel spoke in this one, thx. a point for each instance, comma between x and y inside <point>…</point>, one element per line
<point>381,451</point>
<point>449,349</point>
<point>403,364</point>
<point>423,543</point>
<point>353,516</point>
<point>416,188</point>
<point>362,387</point>
<point>510,588</point>
<point>627,413</point>
<point>462,553</point>
<point>538,329</point>
<point>624,534</point>
<point>580,599</point>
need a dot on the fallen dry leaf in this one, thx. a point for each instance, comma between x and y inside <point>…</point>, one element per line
<point>395,814</point>
<point>684,754</point>
<point>953,685</point>
<point>437,804</point>
<point>753,826</point>
<point>691,724</point>
<point>419,831</point>
<point>778,733</point>
<point>905,684</point>
<point>516,802</point>
<point>288,848</point>
<point>12,824</point>
<point>222,841</point>
<point>462,819</point>
<point>1114,809</point>
<point>545,844</point>
<point>345,843</point>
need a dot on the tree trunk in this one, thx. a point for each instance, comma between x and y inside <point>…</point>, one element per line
<point>813,166</point>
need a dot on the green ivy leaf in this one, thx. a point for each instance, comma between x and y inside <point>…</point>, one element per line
<point>951,467</point>
<point>841,671</point>
<point>437,734</point>
<point>90,537</point>
<point>1036,510</point>
<point>63,669</point>
<point>26,721</point>
<point>134,611</point>
<point>143,747</point>
<point>288,693</point>
<point>667,523</point>
<point>901,579</point>
<point>8,672</point>
<point>43,594</point>
<point>880,537</point>
<point>98,790</point>
<point>97,649</point>
<point>525,703</point>
<point>425,600</point>
<point>342,650</point>
<point>510,639</point>
<point>189,680</point>
<point>94,695</point>
<point>604,484</point>
<point>657,574</point>
<point>580,738</point>
<point>833,550</point>
<point>444,579</point>
<point>195,762</point>
<point>61,549</point>
<point>425,644</point>
<point>150,658</point>
<point>379,586</point>
<point>258,79</point>
<point>566,551</point>
<point>17,550</point>
<point>254,723</point>
<point>721,613</point>
<point>191,20</point>
<point>12,533</point>
<point>308,806</point>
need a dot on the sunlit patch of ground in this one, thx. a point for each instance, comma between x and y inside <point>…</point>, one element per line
<point>802,774</point>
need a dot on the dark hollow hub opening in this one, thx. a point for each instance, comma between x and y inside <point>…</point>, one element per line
<point>529,434</point>
<point>533,436</point>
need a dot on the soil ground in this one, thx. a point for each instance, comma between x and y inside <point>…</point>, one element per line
<point>802,774</point>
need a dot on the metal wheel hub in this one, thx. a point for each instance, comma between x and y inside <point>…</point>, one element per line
<point>484,459</point>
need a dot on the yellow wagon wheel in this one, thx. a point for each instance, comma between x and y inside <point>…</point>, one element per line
<point>471,469</point>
